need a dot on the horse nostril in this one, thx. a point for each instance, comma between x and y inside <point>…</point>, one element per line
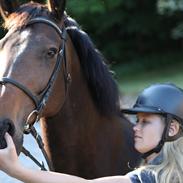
<point>5,126</point>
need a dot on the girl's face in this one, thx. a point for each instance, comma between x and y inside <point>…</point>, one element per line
<point>148,131</point>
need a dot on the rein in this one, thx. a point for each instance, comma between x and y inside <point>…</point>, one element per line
<point>40,104</point>
<point>40,143</point>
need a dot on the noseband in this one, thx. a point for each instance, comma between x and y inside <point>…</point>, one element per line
<point>44,96</point>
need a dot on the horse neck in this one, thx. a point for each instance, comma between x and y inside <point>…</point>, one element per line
<point>79,102</point>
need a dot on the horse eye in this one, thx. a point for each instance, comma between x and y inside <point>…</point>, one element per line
<point>51,52</point>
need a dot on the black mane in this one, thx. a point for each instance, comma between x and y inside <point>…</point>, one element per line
<point>100,81</point>
<point>99,78</point>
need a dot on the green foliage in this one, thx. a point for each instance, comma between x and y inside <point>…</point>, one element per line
<point>173,9</point>
<point>169,6</point>
<point>177,32</point>
<point>123,30</point>
<point>143,71</point>
<point>126,29</point>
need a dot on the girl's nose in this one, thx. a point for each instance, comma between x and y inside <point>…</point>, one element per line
<point>136,127</point>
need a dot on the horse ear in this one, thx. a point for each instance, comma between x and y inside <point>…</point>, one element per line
<point>7,7</point>
<point>57,7</point>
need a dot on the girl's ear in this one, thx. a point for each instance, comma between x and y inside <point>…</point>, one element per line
<point>57,7</point>
<point>174,128</point>
<point>7,7</point>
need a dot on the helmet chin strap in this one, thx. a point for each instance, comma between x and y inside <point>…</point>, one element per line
<point>165,137</point>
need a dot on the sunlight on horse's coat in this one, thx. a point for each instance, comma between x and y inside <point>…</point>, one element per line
<point>21,44</point>
<point>3,64</point>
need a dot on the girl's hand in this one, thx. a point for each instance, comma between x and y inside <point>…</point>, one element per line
<point>8,156</point>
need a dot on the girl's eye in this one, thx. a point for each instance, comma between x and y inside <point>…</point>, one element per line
<point>51,52</point>
<point>145,122</point>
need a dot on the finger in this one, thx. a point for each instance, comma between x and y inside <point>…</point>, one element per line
<point>9,140</point>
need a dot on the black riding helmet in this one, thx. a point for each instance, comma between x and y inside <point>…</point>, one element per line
<point>164,99</point>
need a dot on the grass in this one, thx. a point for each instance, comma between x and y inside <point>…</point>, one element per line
<point>135,76</point>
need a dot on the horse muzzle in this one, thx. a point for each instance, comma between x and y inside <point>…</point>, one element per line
<point>6,125</point>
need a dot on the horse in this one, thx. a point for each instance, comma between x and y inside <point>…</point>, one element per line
<point>52,72</point>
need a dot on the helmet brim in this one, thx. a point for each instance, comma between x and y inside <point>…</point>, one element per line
<point>136,110</point>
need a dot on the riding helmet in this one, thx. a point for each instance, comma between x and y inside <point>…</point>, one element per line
<point>160,99</point>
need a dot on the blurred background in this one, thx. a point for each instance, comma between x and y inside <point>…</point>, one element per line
<point>142,40</point>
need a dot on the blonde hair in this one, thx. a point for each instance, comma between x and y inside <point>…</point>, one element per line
<point>170,170</point>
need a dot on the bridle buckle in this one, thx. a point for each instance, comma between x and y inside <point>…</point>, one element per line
<point>31,119</point>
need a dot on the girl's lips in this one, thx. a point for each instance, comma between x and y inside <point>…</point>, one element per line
<point>137,137</point>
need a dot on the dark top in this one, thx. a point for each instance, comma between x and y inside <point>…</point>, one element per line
<point>143,175</point>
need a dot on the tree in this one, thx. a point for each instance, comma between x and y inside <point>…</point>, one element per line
<point>124,29</point>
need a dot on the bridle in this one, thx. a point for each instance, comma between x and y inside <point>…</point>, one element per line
<point>44,96</point>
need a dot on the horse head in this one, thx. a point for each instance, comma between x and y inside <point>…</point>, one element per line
<point>31,57</point>
<point>83,130</point>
